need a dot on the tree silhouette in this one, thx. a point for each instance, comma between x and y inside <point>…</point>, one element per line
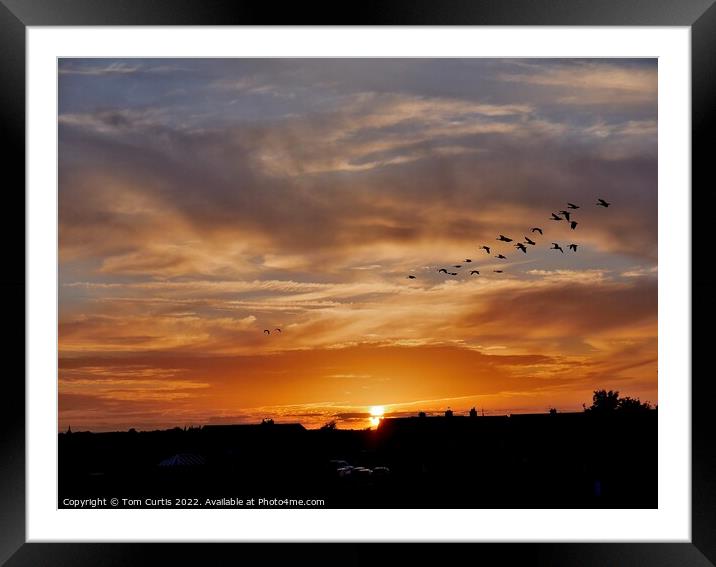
<point>604,401</point>
<point>329,426</point>
<point>633,405</point>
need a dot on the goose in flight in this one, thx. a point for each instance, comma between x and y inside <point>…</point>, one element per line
<point>566,214</point>
<point>529,241</point>
<point>443,270</point>
<point>277,330</point>
<point>497,271</point>
<point>473,272</point>
<point>555,216</point>
<point>458,266</point>
<point>453,273</point>
<point>537,229</point>
<point>411,277</point>
<point>468,260</point>
<point>573,247</point>
<point>602,203</point>
<point>485,248</point>
<point>572,206</point>
<point>503,238</point>
<point>521,247</point>
<point>573,224</point>
<point>501,257</point>
<point>556,246</point>
<point>267,331</point>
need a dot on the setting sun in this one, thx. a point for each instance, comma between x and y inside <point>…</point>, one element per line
<point>376,414</point>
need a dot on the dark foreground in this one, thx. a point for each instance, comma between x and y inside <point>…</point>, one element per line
<point>578,460</point>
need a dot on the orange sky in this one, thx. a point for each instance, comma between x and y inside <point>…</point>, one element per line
<point>202,201</point>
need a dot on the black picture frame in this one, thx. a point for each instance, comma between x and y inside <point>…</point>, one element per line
<point>16,15</point>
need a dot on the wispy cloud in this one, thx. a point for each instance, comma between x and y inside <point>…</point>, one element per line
<point>589,83</point>
<point>108,68</point>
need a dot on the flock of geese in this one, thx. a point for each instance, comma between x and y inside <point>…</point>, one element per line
<point>563,215</point>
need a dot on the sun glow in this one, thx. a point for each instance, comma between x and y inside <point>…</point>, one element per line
<point>376,414</point>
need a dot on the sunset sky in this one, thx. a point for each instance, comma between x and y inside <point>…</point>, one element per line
<point>202,201</point>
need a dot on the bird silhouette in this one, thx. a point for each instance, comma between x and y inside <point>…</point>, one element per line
<point>556,246</point>
<point>497,271</point>
<point>572,206</point>
<point>442,270</point>
<point>267,331</point>
<point>277,329</point>
<point>473,272</point>
<point>566,214</point>
<point>503,238</point>
<point>411,277</point>
<point>573,224</point>
<point>573,247</point>
<point>602,203</point>
<point>521,247</point>
<point>485,248</point>
<point>529,241</point>
<point>468,260</point>
<point>501,257</point>
<point>458,266</point>
<point>556,217</point>
<point>537,229</point>
<point>453,273</point>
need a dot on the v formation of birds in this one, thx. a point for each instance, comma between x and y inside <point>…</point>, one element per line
<point>563,215</point>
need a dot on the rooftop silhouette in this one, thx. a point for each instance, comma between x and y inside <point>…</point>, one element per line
<point>602,457</point>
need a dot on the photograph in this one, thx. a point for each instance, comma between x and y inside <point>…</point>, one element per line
<point>375,283</point>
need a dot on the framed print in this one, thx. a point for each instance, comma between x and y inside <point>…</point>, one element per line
<point>421,276</point>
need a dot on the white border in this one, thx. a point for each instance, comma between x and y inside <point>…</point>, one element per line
<point>671,522</point>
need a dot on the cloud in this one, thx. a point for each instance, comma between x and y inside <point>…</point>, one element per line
<point>228,317</point>
<point>590,83</point>
<point>80,67</point>
<point>118,68</point>
<point>226,201</point>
